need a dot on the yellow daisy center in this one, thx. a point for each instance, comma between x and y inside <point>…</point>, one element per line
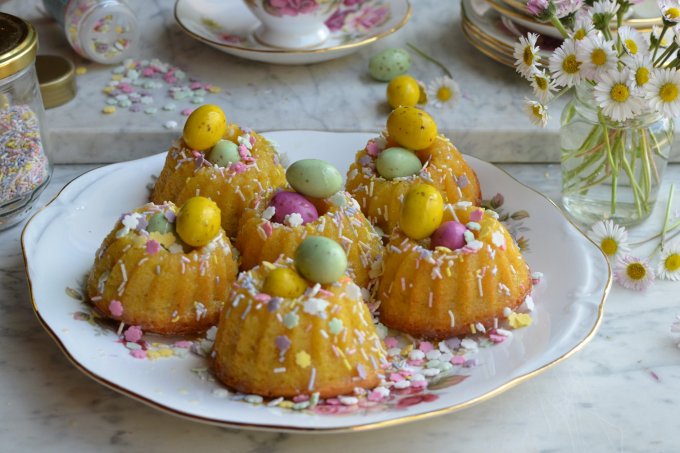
<point>619,92</point>
<point>672,262</point>
<point>541,83</point>
<point>528,56</point>
<point>579,34</point>
<point>609,246</point>
<point>571,65</point>
<point>636,271</point>
<point>631,45</point>
<point>642,76</point>
<point>444,94</point>
<point>537,111</point>
<point>673,12</point>
<point>668,92</point>
<point>598,57</point>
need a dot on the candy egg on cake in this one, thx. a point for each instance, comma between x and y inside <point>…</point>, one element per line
<point>229,164</point>
<point>410,152</point>
<point>164,269</point>
<point>315,204</point>
<point>450,269</point>
<point>298,326</point>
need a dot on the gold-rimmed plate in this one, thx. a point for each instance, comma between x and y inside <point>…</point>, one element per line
<point>228,25</point>
<point>60,241</point>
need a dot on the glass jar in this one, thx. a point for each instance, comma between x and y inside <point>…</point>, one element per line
<point>611,170</point>
<point>25,168</point>
<point>104,31</point>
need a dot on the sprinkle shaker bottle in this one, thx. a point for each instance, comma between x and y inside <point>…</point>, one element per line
<point>104,31</point>
<point>25,168</point>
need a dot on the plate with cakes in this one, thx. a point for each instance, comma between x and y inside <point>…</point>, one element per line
<point>238,279</point>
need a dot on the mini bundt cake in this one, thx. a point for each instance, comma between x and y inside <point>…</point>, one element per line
<point>385,170</point>
<point>144,274</point>
<point>461,279</point>
<point>280,336</point>
<point>226,163</point>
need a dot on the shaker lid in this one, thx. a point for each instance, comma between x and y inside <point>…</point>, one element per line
<point>57,79</point>
<point>18,44</point>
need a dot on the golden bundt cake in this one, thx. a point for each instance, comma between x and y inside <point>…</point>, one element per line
<point>434,291</point>
<point>320,340</point>
<point>145,275</point>
<point>261,238</point>
<point>231,178</point>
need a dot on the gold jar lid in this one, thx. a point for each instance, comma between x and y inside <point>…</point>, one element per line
<point>57,78</point>
<point>18,44</point>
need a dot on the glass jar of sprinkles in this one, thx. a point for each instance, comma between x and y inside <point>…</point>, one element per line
<point>25,168</point>
<point>104,31</point>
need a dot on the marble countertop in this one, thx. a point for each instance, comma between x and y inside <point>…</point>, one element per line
<point>621,393</point>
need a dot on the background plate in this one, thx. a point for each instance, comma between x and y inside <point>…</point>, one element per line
<point>60,241</point>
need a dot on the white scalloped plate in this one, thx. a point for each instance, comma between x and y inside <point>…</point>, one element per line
<point>60,241</point>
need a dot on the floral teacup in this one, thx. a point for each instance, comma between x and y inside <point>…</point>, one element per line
<point>292,24</point>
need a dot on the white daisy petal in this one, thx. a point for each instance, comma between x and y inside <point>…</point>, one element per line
<point>565,65</point>
<point>669,263</point>
<point>617,97</point>
<point>543,86</point>
<point>632,41</point>
<point>640,68</point>
<point>526,55</point>
<point>633,273</point>
<point>611,238</point>
<point>538,113</point>
<point>443,92</point>
<point>663,92</point>
<point>598,56</point>
<point>670,9</point>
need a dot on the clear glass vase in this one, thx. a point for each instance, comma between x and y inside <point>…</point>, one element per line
<point>611,170</point>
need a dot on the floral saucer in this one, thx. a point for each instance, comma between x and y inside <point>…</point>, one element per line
<point>228,25</point>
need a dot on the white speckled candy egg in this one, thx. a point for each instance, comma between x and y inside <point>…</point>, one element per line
<point>388,64</point>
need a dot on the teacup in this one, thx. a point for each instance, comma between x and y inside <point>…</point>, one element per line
<point>292,24</point>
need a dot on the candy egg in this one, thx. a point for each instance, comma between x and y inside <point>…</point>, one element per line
<point>159,223</point>
<point>284,282</point>
<point>224,153</point>
<point>314,178</point>
<point>397,163</point>
<point>403,90</point>
<point>388,64</point>
<point>198,221</point>
<point>204,127</point>
<point>320,259</point>
<point>422,211</point>
<point>286,203</point>
<point>412,128</point>
<point>450,235</point>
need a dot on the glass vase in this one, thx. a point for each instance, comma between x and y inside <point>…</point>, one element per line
<point>611,170</point>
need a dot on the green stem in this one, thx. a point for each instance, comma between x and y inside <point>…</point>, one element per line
<point>429,58</point>
<point>637,196</point>
<point>665,55</point>
<point>658,44</point>
<point>658,235</point>
<point>610,157</point>
<point>558,25</point>
<point>668,214</point>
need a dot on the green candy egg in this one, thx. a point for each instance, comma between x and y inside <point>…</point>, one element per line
<point>320,260</point>
<point>159,224</point>
<point>314,178</point>
<point>388,64</point>
<point>224,153</point>
<point>397,163</point>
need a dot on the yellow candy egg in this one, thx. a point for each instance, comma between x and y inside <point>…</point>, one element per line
<point>422,211</point>
<point>403,90</point>
<point>204,127</point>
<point>412,128</point>
<point>198,221</point>
<point>284,282</point>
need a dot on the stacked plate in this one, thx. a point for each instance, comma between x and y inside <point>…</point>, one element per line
<point>494,26</point>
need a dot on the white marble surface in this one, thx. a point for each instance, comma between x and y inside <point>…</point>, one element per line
<point>604,399</point>
<point>488,122</point>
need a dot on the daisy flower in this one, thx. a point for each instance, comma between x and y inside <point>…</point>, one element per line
<point>526,55</point>
<point>616,95</point>
<point>610,237</point>
<point>640,68</point>
<point>598,56</point>
<point>633,273</point>
<point>565,7</point>
<point>538,113</point>
<point>565,65</point>
<point>443,91</point>
<point>583,27</point>
<point>656,33</point>
<point>605,8</point>
<point>669,263</point>
<point>543,86</point>
<point>663,92</point>
<point>632,40</point>
<point>670,9</point>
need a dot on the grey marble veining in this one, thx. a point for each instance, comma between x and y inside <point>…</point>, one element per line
<point>603,399</point>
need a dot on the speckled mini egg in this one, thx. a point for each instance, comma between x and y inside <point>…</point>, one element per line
<point>397,162</point>
<point>320,260</point>
<point>224,153</point>
<point>314,178</point>
<point>284,282</point>
<point>388,64</point>
<point>158,223</point>
<point>450,235</point>
<point>421,212</point>
<point>286,203</point>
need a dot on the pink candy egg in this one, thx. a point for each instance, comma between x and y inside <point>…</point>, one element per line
<point>450,235</point>
<point>286,203</point>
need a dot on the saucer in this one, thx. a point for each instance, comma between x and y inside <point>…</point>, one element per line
<point>228,25</point>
